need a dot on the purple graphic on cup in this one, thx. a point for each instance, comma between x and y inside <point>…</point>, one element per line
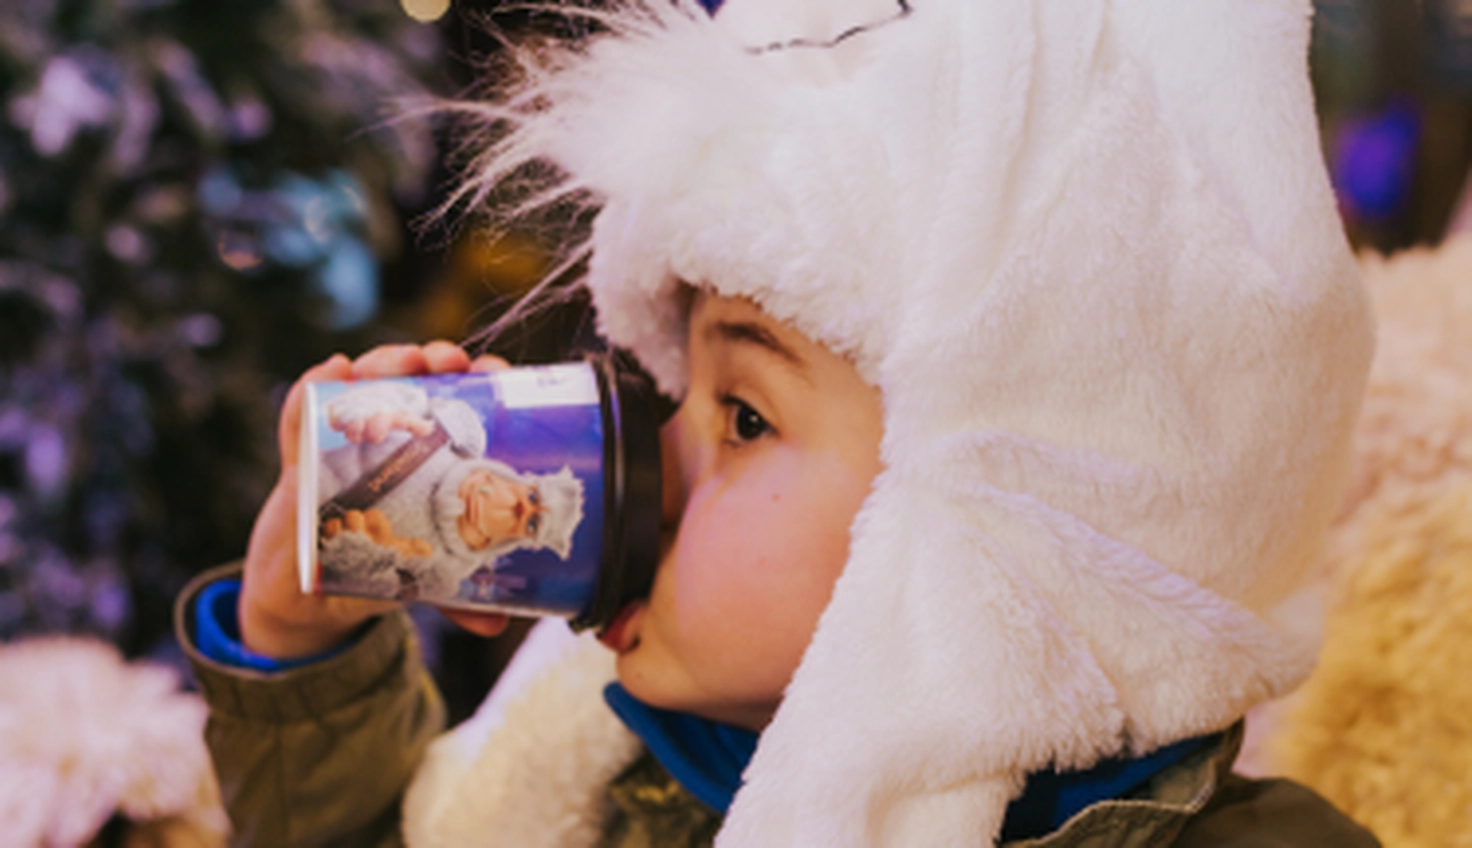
<point>486,491</point>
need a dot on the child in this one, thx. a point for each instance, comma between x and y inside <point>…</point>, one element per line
<point>1017,346</point>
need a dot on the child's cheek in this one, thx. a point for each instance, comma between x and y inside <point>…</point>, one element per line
<point>724,554</point>
<point>758,557</point>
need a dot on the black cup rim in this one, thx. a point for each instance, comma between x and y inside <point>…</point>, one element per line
<point>632,496</point>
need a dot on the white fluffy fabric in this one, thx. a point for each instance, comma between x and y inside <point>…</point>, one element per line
<point>531,769</point>
<point>84,736</point>
<point>1088,252</point>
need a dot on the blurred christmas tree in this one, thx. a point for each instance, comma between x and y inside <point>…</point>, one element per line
<point>195,199</point>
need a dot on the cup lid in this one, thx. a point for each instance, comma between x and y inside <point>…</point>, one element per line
<point>633,479</point>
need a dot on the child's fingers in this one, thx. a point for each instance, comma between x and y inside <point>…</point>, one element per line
<point>390,361</point>
<point>479,623</point>
<point>337,367</point>
<point>486,362</point>
<point>275,618</point>
<point>446,358</point>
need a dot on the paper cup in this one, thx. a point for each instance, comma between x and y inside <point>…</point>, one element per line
<point>529,491</point>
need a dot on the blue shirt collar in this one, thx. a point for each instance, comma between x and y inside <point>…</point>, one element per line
<point>708,758</point>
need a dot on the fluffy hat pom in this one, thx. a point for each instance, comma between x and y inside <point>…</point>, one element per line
<point>84,736</point>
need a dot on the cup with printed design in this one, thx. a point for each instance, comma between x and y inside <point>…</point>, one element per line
<point>528,491</point>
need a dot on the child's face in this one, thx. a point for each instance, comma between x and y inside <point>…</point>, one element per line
<point>767,461</point>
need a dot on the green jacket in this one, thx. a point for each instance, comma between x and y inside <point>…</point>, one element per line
<point>320,756</point>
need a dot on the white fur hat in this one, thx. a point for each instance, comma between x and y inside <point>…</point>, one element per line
<point>1088,252</point>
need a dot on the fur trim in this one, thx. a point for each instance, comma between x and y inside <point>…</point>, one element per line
<point>447,506</point>
<point>537,777</point>
<point>562,503</point>
<point>1118,332</point>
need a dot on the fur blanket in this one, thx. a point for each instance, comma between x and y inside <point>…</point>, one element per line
<point>1382,728</point>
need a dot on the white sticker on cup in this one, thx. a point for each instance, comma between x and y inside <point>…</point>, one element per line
<point>551,385</point>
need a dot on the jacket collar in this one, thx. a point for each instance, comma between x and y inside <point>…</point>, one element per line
<point>1158,813</point>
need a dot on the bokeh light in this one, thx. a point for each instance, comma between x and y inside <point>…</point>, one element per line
<point>425,11</point>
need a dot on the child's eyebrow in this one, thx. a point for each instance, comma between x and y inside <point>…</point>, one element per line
<point>745,332</point>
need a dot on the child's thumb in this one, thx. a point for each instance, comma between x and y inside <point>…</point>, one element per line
<point>289,428</point>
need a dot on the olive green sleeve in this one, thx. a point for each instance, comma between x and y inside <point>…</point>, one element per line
<point>1274,813</point>
<point>318,755</point>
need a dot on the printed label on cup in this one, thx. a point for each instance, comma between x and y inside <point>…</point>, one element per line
<point>480,491</point>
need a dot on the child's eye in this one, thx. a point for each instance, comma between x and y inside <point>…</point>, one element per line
<point>745,424</point>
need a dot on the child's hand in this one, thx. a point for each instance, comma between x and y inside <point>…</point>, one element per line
<point>276,619</point>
